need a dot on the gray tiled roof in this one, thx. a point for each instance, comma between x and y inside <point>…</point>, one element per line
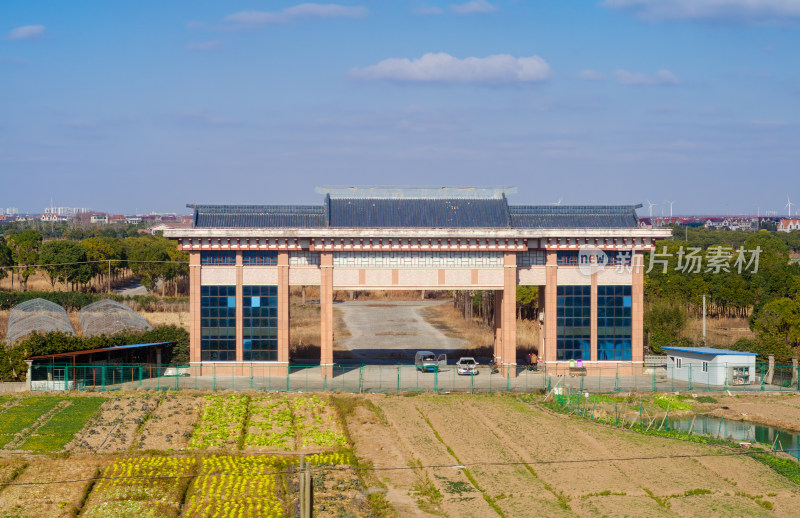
<point>415,213</point>
<point>574,216</point>
<point>418,213</point>
<point>259,216</point>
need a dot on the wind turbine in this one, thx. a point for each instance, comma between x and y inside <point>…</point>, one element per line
<point>651,207</point>
<point>670,206</point>
<point>789,205</point>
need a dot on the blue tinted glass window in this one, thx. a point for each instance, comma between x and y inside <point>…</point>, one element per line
<point>573,340</point>
<point>217,257</point>
<point>262,257</point>
<point>217,323</point>
<point>614,323</point>
<point>260,323</point>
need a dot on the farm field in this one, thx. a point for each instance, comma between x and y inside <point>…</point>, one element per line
<point>198,455</point>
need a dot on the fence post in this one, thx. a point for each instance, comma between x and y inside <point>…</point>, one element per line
<point>508,379</point>
<point>103,378</point>
<point>616,380</point>
<point>288,376</point>
<point>690,376</point>
<point>140,375</point>
<point>398,378</point>
<point>251,376</point>
<point>762,376</point>
<point>472,383</point>
<point>361,378</point>
<point>214,377</point>
<point>436,379</point>
<point>654,379</point>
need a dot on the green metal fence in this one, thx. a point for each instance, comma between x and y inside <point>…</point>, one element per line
<point>406,378</point>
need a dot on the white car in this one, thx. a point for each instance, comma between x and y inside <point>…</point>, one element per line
<point>467,366</point>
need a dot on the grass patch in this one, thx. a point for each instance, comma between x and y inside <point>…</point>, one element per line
<point>62,427</point>
<point>23,415</point>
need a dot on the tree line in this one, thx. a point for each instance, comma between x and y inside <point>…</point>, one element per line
<point>75,264</point>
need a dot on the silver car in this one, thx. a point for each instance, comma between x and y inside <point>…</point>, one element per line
<point>467,366</point>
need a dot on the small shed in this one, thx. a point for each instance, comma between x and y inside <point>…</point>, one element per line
<point>711,366</point>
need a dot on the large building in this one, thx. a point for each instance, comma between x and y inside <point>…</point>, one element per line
<point>586,260</point>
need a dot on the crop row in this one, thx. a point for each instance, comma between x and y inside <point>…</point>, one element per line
<point>287,423</point>
<point>141,486</point>
<point>228,486</point>
<point>222,422</point>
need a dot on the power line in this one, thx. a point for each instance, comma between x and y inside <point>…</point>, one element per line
<point>105,261</point>
<point>396,468</point>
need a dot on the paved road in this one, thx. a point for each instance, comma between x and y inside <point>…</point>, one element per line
<point>392,330</point>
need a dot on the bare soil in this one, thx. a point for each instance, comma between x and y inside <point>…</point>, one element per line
<point>114,427</point>
<point>782,411</point>
<point>171,424</point>
<point>51,500</point>
<point>544,464</point>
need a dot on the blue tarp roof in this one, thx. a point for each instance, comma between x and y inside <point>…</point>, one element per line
<point>104,349</point>
<point>709,351</point>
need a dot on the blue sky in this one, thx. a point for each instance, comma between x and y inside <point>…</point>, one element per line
<point>151,105</point>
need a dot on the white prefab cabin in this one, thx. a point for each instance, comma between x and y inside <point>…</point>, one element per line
<point>711,366</point>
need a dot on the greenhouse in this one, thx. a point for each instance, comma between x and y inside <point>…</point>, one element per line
<point>107,317</point>
<point>37,315</point>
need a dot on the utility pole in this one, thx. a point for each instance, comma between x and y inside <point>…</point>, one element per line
<point>109,276</point>
<point>704,319</point>
<point>306,490</point>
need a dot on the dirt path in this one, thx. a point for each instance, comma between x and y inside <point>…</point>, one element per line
<point>392,331</point>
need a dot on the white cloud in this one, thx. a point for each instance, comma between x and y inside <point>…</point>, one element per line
<point>426,10</point>
<point>758,11</point>
<point>473,7</point>
<point>297,12</point>
<point>26,32</point>
<point>202,46</point>
<point>662,77</point>
<point>591,75</point>
<point>444,68</point>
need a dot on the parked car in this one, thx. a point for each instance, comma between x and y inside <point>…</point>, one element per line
<point>467,366</point>
<point>426,361</point>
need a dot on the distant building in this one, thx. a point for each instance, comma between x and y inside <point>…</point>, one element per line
<point>52,217</point>
<point>161,227</point>
<point>116,218</point>
<point>99,218</point>
<point>787,225</point>
<point>133,220</point>
<point>12,211</point>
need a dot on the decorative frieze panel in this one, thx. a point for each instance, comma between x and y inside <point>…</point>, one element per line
<point>418,259</point>
<point>418,244</point>
<point>601,243</point>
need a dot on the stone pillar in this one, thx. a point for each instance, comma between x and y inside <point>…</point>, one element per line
<point>794,372</point>
<point>593,316</point>
<point>637,308</point>
<point>770,369</point>
<point>509,310</point>
<point>239,308</point>
<point>551,302</point>
<point>194,307</point>
<point>498,325</point>
<point>540,321</point>
<point>30,369</point>
<point>283,307</point>
<point>326,313</point>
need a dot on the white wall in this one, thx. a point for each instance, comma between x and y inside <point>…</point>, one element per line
<point>718,371</point>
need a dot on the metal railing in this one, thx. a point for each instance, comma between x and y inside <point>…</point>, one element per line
<point>362,378</point>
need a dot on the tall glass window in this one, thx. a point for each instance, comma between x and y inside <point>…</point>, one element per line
<point>259,257</point>
<point>216,257</point>
<point>574,334</point>
<point>260,309</point>
<point>218,323</point>
<point>614,323</point>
